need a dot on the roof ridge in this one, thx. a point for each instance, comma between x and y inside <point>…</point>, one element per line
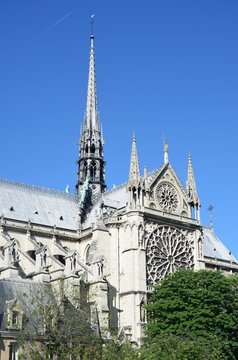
<point>155,171</point>
<point>37,187</point>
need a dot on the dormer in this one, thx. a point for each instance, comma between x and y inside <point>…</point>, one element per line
<point>15,314</point>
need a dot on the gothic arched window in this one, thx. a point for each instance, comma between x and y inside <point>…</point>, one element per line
<point>93,171</point>
<point>87,255</point>
<point>92,149</point>
<point>85,170</point>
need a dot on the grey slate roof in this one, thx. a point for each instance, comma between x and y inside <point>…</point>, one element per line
<point>40,205</point>
<point>214,248</point>
<point>30,295</point>
<point>116,197</point>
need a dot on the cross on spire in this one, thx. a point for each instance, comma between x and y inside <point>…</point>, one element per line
<point>92,23</point>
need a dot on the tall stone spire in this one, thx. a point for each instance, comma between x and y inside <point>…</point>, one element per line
<point>91,117</point>
<point>91,159</point>
<point>134,172</point>
<point>192,190</point>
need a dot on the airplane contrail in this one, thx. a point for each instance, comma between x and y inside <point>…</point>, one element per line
<point>53,25</point>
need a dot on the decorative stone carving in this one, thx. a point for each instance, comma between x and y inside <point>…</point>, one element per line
<point>143,311</point>
<point>141,236</point>
<point>167,249</point>
<point>167,197</point>
<point>200,250</point>
<point>101,265</point>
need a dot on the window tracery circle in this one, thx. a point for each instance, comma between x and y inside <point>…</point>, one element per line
<point>167,197</point>
<point>167,250</point>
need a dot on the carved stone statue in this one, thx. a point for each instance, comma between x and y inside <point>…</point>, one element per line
<point>141,236</point>
<point>83,192</point>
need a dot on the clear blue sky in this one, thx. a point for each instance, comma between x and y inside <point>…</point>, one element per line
<point>162,67</point>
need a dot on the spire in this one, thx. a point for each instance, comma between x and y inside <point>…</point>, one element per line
<point>191,185</point>
<point>134,173</point>
<point>91,159</point>
<point>91,117</point>
<point>166,152</point>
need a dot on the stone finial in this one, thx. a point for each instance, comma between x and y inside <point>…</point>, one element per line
<point>145,171</point>
<point>166,152</point>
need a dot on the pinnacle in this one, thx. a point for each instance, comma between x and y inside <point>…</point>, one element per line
<point>134,173</point>
<point>191,185</point>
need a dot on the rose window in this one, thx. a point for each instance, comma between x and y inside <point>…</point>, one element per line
<point>167,197</point>
<point>167,249</point>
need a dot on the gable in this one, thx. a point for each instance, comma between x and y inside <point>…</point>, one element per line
<point>166,193</point>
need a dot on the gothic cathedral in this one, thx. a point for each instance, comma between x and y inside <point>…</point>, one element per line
<point>120,242</point>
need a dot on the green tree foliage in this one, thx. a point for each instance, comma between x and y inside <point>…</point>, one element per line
<point>118,349</point>
<point>192,316</point>
<point>199,305</point>
<point>169,347</point>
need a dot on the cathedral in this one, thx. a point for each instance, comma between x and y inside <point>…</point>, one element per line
<point>119,241</point>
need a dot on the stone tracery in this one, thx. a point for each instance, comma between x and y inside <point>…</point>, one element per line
<point>167,249</point>
<point>167,197</point>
